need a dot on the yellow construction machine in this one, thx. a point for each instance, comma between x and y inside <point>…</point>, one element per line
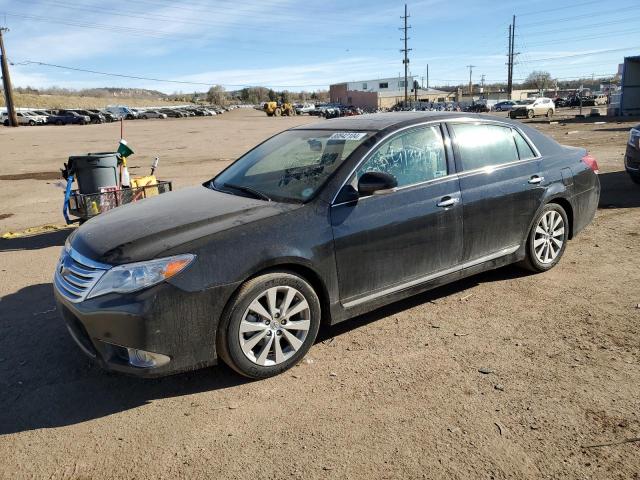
<point>277,109</point>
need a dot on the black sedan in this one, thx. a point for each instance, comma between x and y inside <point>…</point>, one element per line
<point>316,225</point>
<point>68,117</point>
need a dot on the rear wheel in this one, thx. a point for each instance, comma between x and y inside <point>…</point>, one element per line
<point>32,123</point>
<point>277,112</point>
<point>269,325</point>
<point>548,239</point>
<point>530,114</point>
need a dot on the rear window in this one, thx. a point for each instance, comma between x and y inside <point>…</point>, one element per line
<point>524,149</point>
<point>483,145</point>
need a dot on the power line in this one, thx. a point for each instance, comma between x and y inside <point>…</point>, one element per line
<point>553,9</point>
<point>152,79</point>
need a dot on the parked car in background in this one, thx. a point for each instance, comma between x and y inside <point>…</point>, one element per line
<point>601,99</point>
<point>384,207</point>
<point>170,112</point>
<point>146,114</point>
<point>561,102</point>
<point>534,108</point>
<point>93,116</point>
<point>41,119</point>
<point>108,117</point>
<point>302,108</point>
<point>68,117</point>
<point>632,155</point>
<point>122,111</point>
<point>25,118</point>
<point>504,106</point>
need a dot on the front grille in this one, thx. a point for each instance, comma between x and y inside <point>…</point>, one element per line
<point>76,275</point>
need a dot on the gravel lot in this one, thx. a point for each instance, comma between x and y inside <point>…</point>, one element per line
<point>393,394</point>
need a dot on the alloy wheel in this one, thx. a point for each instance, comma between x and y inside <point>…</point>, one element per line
<point>274,326</point>
<point>549,237</point>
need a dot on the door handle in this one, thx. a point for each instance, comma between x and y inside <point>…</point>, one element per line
<point>447,201</point>
<point>536,179</point>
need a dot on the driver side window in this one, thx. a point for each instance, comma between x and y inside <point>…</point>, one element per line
<point>411,157</point>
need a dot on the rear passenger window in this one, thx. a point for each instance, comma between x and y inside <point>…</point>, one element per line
<point>524,149</point>
<point>482,145</point>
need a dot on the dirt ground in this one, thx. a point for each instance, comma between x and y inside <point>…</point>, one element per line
<point>393,394</point>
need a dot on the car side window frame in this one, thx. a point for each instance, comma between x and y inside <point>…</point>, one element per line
<point>394,136</point>
<point>458,157</point>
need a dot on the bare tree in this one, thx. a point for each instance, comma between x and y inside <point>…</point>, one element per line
<point>217,95</point>
<point>539,79</point>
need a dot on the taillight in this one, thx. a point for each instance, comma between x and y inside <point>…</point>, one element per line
<point>591,162</point>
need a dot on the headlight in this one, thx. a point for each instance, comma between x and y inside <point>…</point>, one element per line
<point>634,138</point>
<point>136,276</point>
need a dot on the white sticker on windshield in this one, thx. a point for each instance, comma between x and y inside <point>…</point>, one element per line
<point>348,136</point>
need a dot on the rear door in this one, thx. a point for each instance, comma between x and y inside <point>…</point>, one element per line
<point>384,242</point>
<point>501,188</point>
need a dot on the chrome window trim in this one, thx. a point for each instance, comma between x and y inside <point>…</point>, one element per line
<point>412,283</point>
<point>496,166</point>
<point>444,139</point>
<point>378,144</point>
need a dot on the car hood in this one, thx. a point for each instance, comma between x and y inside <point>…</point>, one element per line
<point>148,228</point>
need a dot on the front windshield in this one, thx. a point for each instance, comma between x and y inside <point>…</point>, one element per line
<point>291,166</point>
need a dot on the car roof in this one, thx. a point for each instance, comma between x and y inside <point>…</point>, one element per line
<point>382,121</point>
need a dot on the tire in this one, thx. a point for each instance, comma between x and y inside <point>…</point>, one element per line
<point>530,114</point>
<point>277,112</point>
<point>6,123</point>
<point>144,117</point>
<point>258,362</point>
<point>32,123</point>
<point>542,241</point>
<point>59,122</point>
<point>550,113</point>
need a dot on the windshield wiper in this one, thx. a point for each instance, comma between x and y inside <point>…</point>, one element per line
<point>251,191</point>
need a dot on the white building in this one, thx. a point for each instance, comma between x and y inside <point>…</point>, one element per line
<point>390,84</point>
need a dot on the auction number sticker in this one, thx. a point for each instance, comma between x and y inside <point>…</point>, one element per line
<point>348,136</point>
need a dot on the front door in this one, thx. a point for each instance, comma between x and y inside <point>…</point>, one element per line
<point>385,241</point>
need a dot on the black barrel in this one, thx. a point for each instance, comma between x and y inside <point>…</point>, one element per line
<point>95,171</point>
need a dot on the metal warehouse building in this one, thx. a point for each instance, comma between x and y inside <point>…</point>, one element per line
<point>382,93</point>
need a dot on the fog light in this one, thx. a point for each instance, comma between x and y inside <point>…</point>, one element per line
<point>142,359</point>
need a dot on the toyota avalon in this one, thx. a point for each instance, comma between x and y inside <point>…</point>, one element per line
<point>315,225</point>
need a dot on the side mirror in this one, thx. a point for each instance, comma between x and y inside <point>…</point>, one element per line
<point>376,183</point>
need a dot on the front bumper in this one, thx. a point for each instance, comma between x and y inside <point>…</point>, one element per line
<point>162,319</point>
<point>632,161</point>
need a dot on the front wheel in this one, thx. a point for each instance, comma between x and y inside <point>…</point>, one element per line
<point>548,239</point>
<point>269,325</point>
<point>530,114</point>
<point>550,113</point>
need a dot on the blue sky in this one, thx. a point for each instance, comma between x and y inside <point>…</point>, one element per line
<point>307,44</point>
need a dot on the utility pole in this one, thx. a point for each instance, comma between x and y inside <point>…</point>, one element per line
<point>470,67</point>
<point>406,54</point>
<point>509,62</point>
<point>427,76</point>
<point>512,54</point>
<point>6,81</point>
